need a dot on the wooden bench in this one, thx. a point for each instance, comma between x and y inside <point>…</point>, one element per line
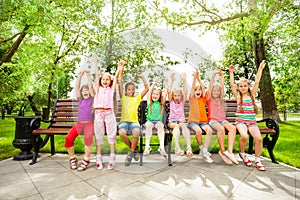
<point>64,116</point>
<point>270,129</point>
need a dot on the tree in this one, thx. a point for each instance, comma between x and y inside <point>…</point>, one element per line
<point>283,52</point>
<point>256,16</point>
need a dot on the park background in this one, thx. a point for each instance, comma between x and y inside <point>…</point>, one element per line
<point>44,43</point>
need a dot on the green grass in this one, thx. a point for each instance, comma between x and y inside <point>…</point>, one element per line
<point>286,150</point>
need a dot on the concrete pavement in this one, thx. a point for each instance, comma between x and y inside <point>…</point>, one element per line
<point>188,178</point>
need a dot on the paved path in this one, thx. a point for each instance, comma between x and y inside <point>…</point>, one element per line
<point>50,178</point>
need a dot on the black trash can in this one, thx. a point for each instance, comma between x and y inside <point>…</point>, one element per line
<point>22,138</point>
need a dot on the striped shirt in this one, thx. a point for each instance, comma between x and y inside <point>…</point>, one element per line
<point>247,115</point>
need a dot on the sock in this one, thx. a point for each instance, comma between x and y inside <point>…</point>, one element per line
<point>204,150</point>
<point>242,154</point>
<point>257,159</point>
<point>98,157</point>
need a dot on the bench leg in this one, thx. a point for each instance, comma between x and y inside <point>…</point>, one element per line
<point>35,140</point>
<point>168,141</point>
<point>141,149</point>
<point>270,144</point>
<point>52,145</point>
<point>250,148</point>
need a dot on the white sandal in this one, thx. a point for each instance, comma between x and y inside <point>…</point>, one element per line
<point>147,151</point>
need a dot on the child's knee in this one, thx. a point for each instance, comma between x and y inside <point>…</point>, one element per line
<point>122,132</point>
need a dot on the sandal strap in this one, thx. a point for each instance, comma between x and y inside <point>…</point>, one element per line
<point>73,161</point>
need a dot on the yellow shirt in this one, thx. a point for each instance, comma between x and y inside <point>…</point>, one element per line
<point>130,107</point>
<point>197,110</point>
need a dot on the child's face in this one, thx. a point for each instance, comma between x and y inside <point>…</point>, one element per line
<point>155,95</point>
<point>85,93</point>
<point>198,92</point>
<point>177,96</point>
<point>216,92</point>
<point>130,90</point>
<point>105,81</point>
<point>243,87</point>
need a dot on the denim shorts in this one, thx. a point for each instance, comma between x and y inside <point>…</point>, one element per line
<point>129,126</point>
<point>192,124</point>
<point>211,122</point>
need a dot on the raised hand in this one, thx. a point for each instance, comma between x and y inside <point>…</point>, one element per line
<point>262,64</point>
<point>183,76</point>
<point>231,68</point>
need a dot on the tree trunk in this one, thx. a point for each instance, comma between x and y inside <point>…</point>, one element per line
<point>9,54</point>
<point>49,100</point>
<point>33,106</point>
<point>267,96</point>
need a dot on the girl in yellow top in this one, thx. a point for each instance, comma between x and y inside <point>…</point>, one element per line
<point>197,116</point>
<point>129,114</point>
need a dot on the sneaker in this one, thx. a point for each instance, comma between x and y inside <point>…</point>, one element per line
<point>206,157</point>
<point>99,164</point>
<point>246,160</point>
<point>111,162</point>
<point>225,158</point>
<point>129,158</point>
<point>136,155</point>
<point>231,157</point>
<point>200,150</point>
<point>162,152</point>
<point>201,154</point>
<point>147,151</point>
<point>260,166</point>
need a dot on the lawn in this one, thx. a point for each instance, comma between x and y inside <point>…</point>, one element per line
<point>286,149</point>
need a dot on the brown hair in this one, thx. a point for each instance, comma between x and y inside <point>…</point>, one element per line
<point>160,100</point>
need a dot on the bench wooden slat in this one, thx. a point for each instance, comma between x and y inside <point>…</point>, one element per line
<point>70,119</point>
<point>51,131</point>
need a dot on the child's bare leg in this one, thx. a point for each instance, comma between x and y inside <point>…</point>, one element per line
<point>124,137</point>
<point>71,151</point>
<point>135,139</point>
<point>254,131</point>
<point>231,136</point>
<point>176,133</point>
<point>221,135</point>
<point>242,128</point>
<point>208,132</point>
<point>186,134</point>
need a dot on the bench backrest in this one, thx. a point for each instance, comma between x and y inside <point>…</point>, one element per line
<point>230,109</point>
<point>64,113</point>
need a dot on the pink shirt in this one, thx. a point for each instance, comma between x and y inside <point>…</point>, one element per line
<point>176,111</point>
<point>215,110</point>
<point>104,98</point>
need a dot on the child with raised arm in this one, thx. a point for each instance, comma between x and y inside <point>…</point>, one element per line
<point>85,124</point>
<point>129,114</point>
<point>177,100</point>
<point>197,117</point>
<point>245,115</point>
<point>105,119</point>
<point>217,117</point>
<point>155,108</point>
